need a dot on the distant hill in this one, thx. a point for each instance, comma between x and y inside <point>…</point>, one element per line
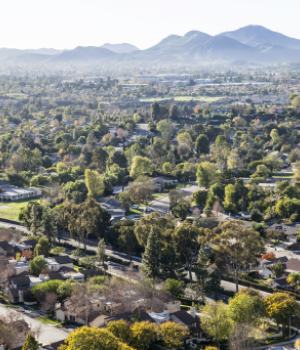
<point>248,44</point>
<point>82,53</point>
<point>4,52</point>
<point>120,48</point>
<point>255,35</point>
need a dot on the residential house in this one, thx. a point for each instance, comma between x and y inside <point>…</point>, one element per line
<point>8,249</point>
<point>266,265</point>
<point>280,282</point>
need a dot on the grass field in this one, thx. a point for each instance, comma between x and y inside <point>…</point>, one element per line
<point>13,209</point>
<point>48,320</point>
<point>183,98</point>
<point>16,96</point>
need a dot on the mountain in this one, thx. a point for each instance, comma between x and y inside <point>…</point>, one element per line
<point>248,44</point>
<point>5,53</point>
<point>120,48</point>
<point>256,35</point>
<point>82,53</point>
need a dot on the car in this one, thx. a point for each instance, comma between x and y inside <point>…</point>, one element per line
<point>297,252</point>
<point>135,207</point>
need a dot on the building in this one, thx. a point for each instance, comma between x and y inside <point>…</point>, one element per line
<point>204,81</point>
<point>13,193</point>
<point>172,77</point>
<point>144,79</point>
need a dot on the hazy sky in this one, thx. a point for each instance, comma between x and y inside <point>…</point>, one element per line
<point>70,23</point>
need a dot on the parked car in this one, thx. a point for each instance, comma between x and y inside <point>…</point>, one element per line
<point>135,207</point>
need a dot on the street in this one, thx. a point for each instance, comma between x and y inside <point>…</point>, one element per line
<point>49,334</point>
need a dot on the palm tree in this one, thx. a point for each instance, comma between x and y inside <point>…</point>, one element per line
<point>294,279</point>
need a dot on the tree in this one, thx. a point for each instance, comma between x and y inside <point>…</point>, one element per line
<point>61,167</point>
<point>141,189</point>
<point>87,218</point>
<point>101,256</point>
<point>173,334</point>
<point>181,211</point>
<point>281,306</point>
<point>214,283</point>
<point>125,199</point>
<point>140,165</point>
<point>33,220</point>
<point>256,215</point>
<point>155,110</point>
<point>246,308</point>
<point>201,271</point>
<point>206,174</point>
<point>230,199</point>
<point>166,128</point>
<point>92,338</point>
<point>42,248</point>
<point>200,197</point>
<point>167,167</point>
<point>293,279</point>
<point>120,329</point>
<point>25,215</point>
<point>48,225</point>
<point>164,226</point>
<point>202,145</point>
<point>151,257</point>
<point>185,237</point>
<point>94,183</point>
<point>143,333</point>
<point>31,343</point>
<point>17,179</point>
<point>127,240</point>
<point>268,256</point>
<point>235,248</point>
<point>37,265</point>
<point>47,162</point>
<point>175,287</point>
<point>173,267</point>
<point>215,321</point>
<point>100,157</point>
<point>277,269</point>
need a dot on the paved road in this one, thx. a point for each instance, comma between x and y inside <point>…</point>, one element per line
<point>49,334</point>
<point>140,130</point>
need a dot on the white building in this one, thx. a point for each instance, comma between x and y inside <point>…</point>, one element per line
<point>14,193</point>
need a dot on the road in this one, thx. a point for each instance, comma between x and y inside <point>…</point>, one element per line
<point>49,334</point>
<point>140,130</point>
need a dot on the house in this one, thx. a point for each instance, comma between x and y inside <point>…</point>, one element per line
<point>280,282</point>
<point>189,320</point>
<point>267,186</point>
<point>8,249</point>
<point>91,273</point>
<point>266,265</point>
<point>57,262</point>
<point>197,210</point>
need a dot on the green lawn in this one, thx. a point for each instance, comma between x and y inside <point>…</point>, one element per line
<point>183,98</point>
<point>16,96</point>
<point>135,211</point>
<point>48,320</point>
<point>286,175</point>
<point>12,212</point>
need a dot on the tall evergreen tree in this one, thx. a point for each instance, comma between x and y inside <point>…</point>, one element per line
<point>201,271</point>
<point>173,267</point>
<point>31,343</point>
<point>33,221</point>
<point>48,224</point>
<point>101,256</point>
<point>214,283</point>
<point>151,257</point>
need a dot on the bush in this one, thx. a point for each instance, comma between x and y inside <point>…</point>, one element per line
<point>243,173</point>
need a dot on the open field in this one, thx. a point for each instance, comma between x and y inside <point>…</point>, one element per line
<point>15,96</point>
<point>183,98</point>
<point>12,209</point>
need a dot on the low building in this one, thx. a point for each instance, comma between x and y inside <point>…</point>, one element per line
<point>13,193</point>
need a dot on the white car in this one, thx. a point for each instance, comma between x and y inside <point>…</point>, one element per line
<point>135,207</point>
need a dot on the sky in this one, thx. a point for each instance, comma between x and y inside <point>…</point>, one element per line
<point>66,24</point>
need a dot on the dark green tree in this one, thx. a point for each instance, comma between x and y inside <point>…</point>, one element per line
<point>172,266</point>
<point>48,225</point>
<point>42,248</point>
<point>202,144</point>
<point>214,283</point>
<point>201,270</point>
<point>151,257</point>
<point>155,110</point>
